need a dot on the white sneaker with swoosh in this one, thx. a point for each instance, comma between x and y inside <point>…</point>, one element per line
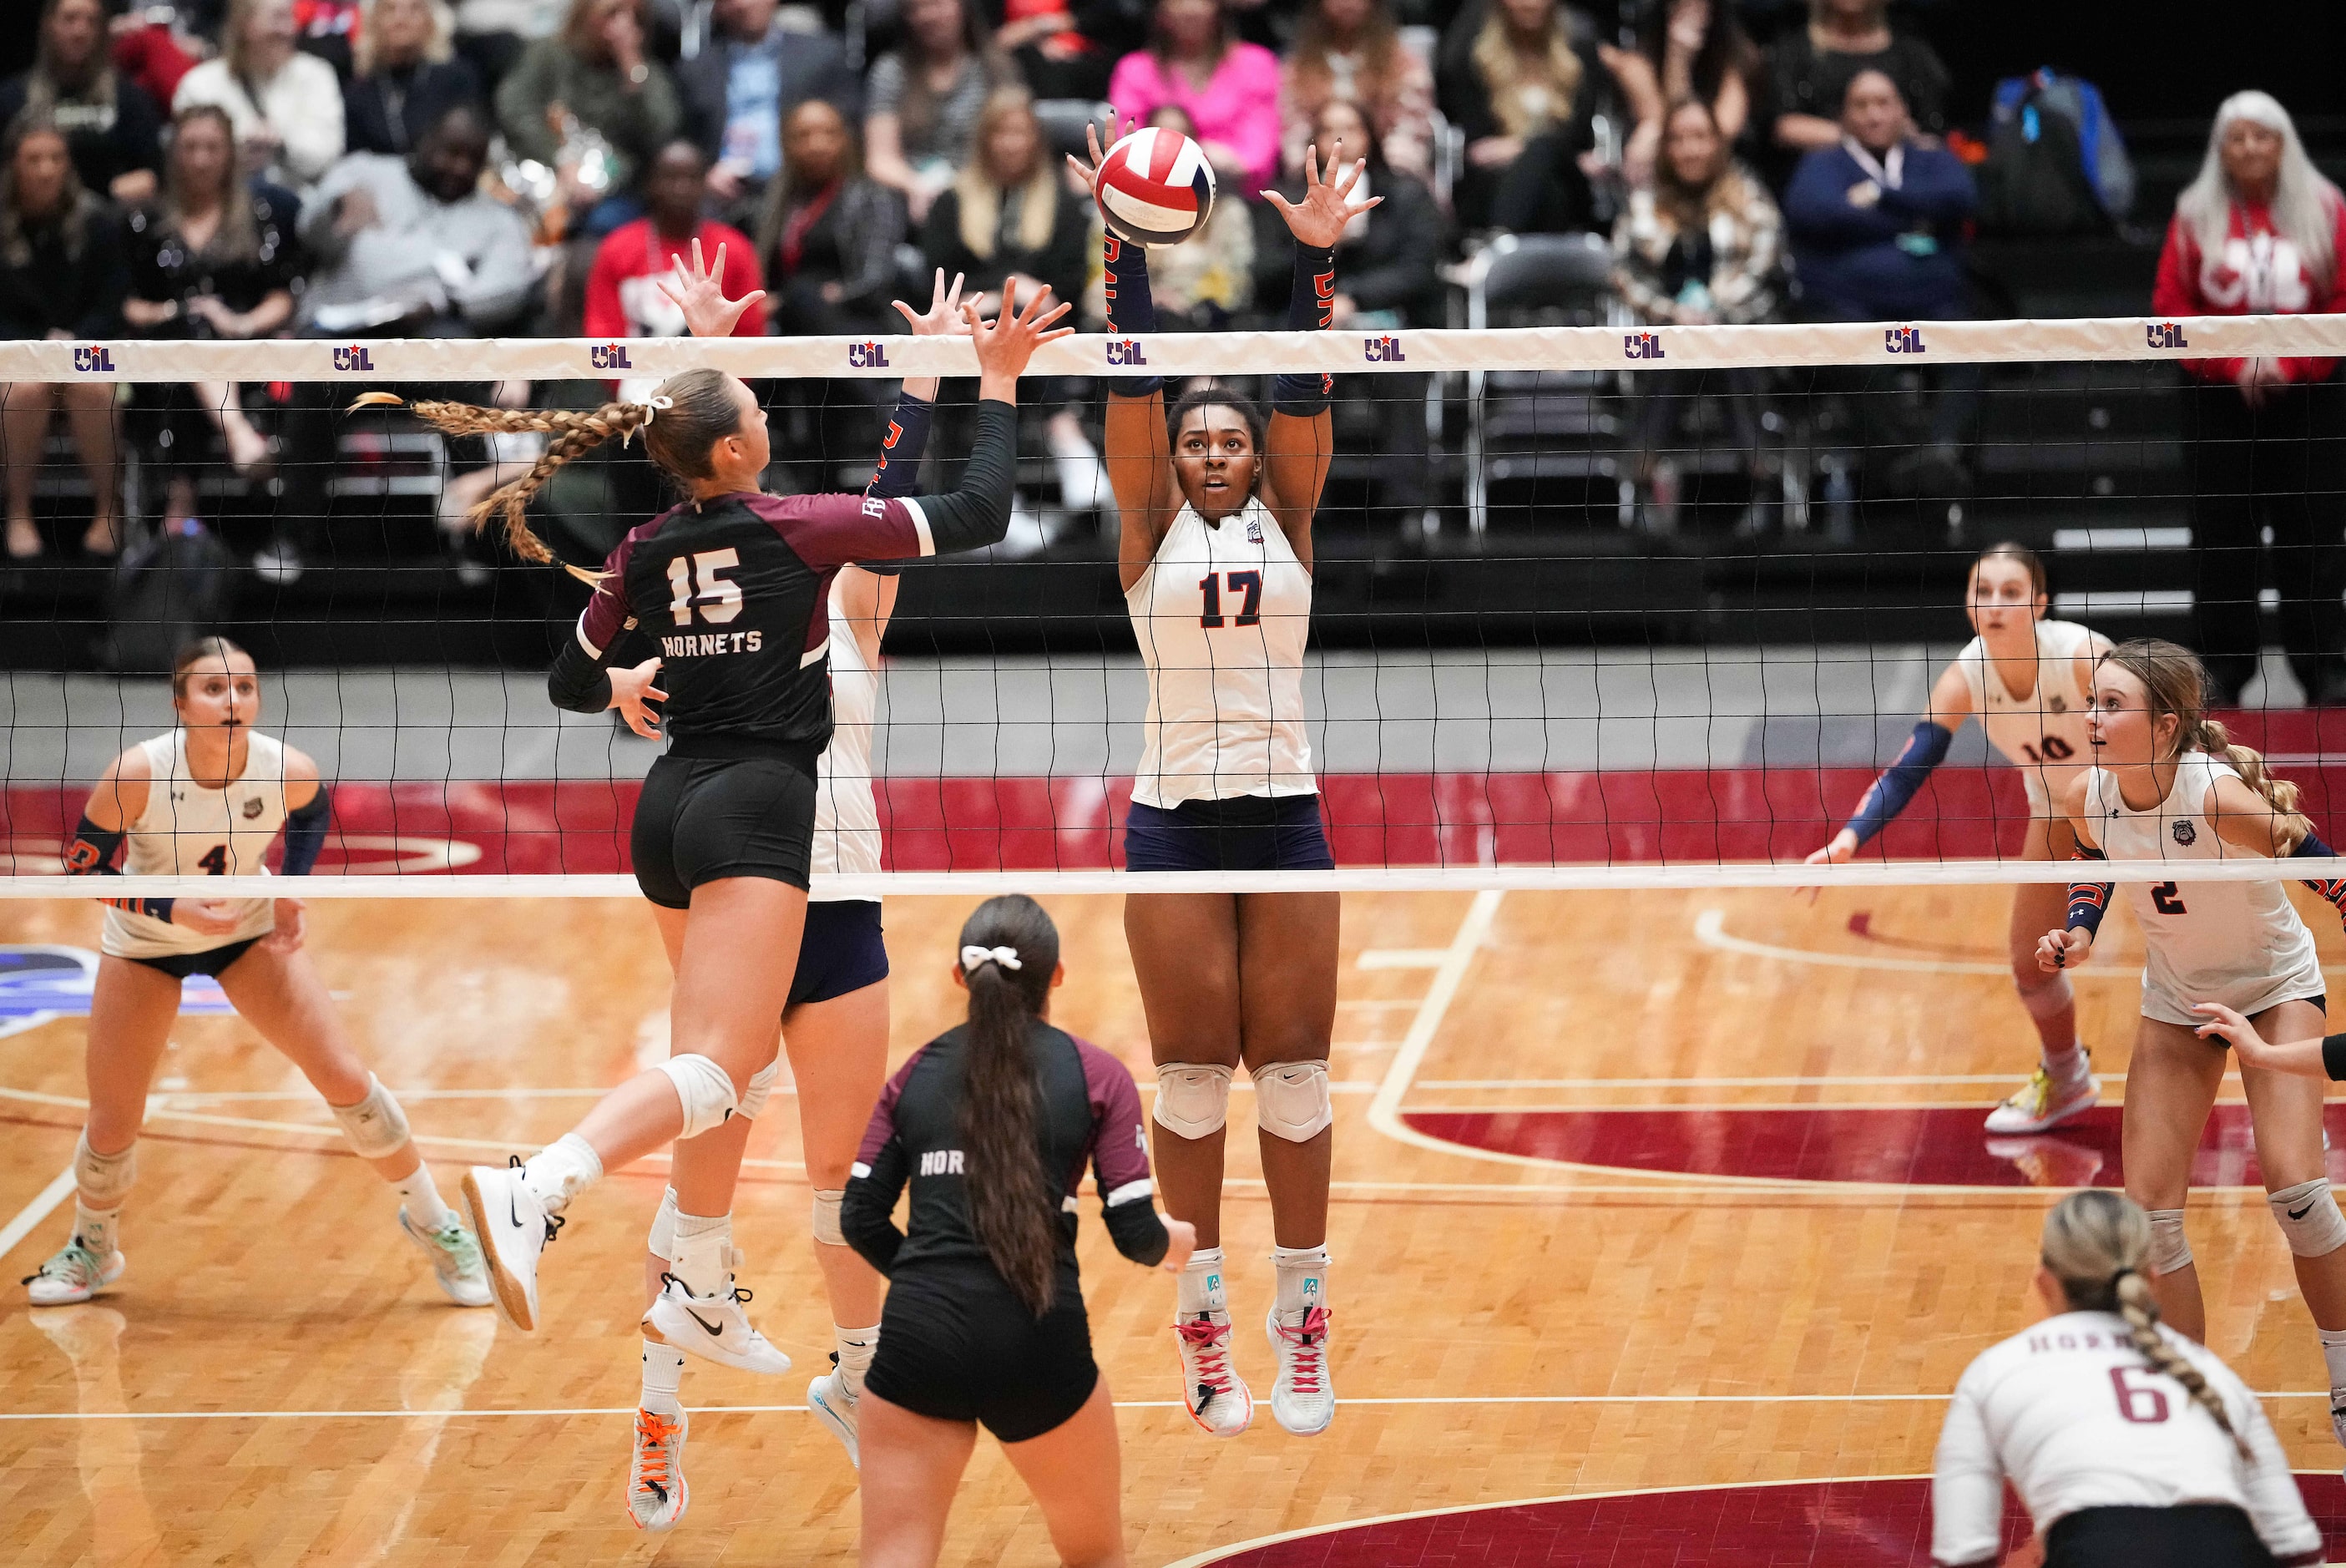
<point>713,1327</point>
<point>513,1228</point>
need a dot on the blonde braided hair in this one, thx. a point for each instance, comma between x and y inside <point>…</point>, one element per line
<point>2095,1244</point>
<point>2176,682</point>
<point>681,420</point>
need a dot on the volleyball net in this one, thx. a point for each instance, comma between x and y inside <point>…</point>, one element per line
<point>1595,605</point>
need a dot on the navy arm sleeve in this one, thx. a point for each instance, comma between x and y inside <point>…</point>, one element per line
<point>2332,889</point>
<point>1926,749</point>
<point>2088,902</point>
<point>305,833</point>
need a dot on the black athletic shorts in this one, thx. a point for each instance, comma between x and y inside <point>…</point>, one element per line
<point>841,951</point>
<point>2199,1535</point>
<point>1245,833</point>
<point>212,961</point>
<point>702,818</point>
<point>955,1345</point>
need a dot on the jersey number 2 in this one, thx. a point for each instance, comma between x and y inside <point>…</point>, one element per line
<point>2165,899</point>
<point>720,600</point>
<point>2147,1406</point>
<point>1248,583</point>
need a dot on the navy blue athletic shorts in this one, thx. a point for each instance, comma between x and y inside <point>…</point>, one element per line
<point>1245,833</point>
<point>841,951</point>
<point>212,961</point>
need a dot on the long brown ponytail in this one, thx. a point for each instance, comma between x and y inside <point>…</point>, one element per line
<point>698,410</point>
<point>2176,682</point>
<point>2094,1244</point>
<point>1012,1206</point>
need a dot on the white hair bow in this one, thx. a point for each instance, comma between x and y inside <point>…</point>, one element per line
<point>970,957</point>
<point>651,407</point>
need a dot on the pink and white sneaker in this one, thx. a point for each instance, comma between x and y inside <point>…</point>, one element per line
<point>1217,1396</point>
<point>1302,1400</point>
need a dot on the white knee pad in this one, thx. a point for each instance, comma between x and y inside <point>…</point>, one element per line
<point>826,1216</point>
<point>376,1126</point>
<point>705,1090</point>
<point>104,1180</point>
<point>1292,1100</point>
<point>761,1084</point>
<point>2308,1215</point>
<point>2168,1250</point>
<point>661,1242</point>
<point>1193,1098</point>
<point>2049,999</point>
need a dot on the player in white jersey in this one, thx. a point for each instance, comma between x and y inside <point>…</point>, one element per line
<point>1215,557</point>
<point>208,800</point>
<point>834,1027</point>
<point>2168,785</point>
<point>2024,678</point>
<point>2130,1445</point>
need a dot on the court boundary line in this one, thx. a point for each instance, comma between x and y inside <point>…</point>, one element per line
<point>43,1203</point>
<point>1473,934</point>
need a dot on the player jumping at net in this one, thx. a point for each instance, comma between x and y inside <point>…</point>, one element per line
<point>2167,784</point>
<point>2024,678</point>
<point>733,584</point>
<point>835,1024</point>
<point>1215,559</point>
<point>991,1126</point>
<point>2130,1446</point>
<point>208,800</point>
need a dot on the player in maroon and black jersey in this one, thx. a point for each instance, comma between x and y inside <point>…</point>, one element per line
<point>732,585</point>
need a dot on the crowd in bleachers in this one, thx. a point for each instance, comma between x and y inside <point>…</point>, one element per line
<point>237,169</point>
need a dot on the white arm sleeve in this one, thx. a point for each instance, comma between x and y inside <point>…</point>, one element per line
<point>1966,1486</point>
<point>2275,1505</point>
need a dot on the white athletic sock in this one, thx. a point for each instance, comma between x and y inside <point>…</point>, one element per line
<point>704,1249</point>
<point>1198,1287</point>
<point>99,1229</point>
<point>855,1347</point>
<point>2068,1067</point>
<point>562,1170</point>
<point>421,1198</point>
<point>1302,1279</point>
<point>663,1376</point>
<point>2334,1353</point>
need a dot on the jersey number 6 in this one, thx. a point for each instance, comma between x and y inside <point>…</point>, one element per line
<point>1250,584</point>
<point>2147,1406</point>
<point>720,600</point>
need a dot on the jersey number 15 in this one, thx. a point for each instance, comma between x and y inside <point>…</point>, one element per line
<point>720,600</point>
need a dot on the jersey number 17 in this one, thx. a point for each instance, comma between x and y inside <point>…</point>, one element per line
<point>1248,583</point>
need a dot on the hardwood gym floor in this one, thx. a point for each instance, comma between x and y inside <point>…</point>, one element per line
<point>1635,1191</point>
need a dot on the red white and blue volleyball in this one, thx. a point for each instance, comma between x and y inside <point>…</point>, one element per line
<point>1155,188</point>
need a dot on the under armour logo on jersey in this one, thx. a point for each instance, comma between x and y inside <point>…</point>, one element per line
<point>2186,834</point>
<point>1254,532</point>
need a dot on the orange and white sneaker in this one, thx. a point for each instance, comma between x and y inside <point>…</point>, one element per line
<point>2041,1105</point>
<point>1218,1398</point>
<point>74,1274</point>
<point>657,1493</point>
<point>1302,1400</point>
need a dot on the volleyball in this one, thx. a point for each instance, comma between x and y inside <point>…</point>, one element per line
<point>1155,188</point>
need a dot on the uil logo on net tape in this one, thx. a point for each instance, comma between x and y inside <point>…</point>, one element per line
<point>94,358</point>
<point>867,356</point>
<point>1125,351</point>
<point>1383,350</point>
<point>609,357</point>
<point>353,358</point>
<point>1903,341</point>
<point>2164,335</point>
<point>1641,346</point>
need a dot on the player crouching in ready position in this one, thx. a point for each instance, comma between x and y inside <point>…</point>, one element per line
<point>208,800</point>
<point>2168,785</point>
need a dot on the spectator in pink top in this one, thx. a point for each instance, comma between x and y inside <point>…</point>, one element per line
<point>1229,89</point>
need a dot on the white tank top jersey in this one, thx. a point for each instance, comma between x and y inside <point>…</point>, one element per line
<point>2075,1416</point>
<point>2043,733</point>
<point>1222,615</point>
<point>2240,944</point>
<point>188,831</point>
<point>846,815</point>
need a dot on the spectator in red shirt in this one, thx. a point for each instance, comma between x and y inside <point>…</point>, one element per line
<point>624,299</point>
<point>2260,231</point>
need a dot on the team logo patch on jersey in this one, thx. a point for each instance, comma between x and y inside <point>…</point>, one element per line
<point>1254,532</point>
<point>2057,703</point>
<point>2186,834</point>
<point>39,983</point>
<point>253,808</point>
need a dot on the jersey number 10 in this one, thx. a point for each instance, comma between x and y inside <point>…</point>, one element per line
<point>2055,750</point>
<point>720,600</point>
<point>1250,584</point>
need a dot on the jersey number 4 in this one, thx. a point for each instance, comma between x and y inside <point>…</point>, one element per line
<point>2054,749</point>
<point>1248,583</point>
<point>719,600</point>
<point>215,861</point>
